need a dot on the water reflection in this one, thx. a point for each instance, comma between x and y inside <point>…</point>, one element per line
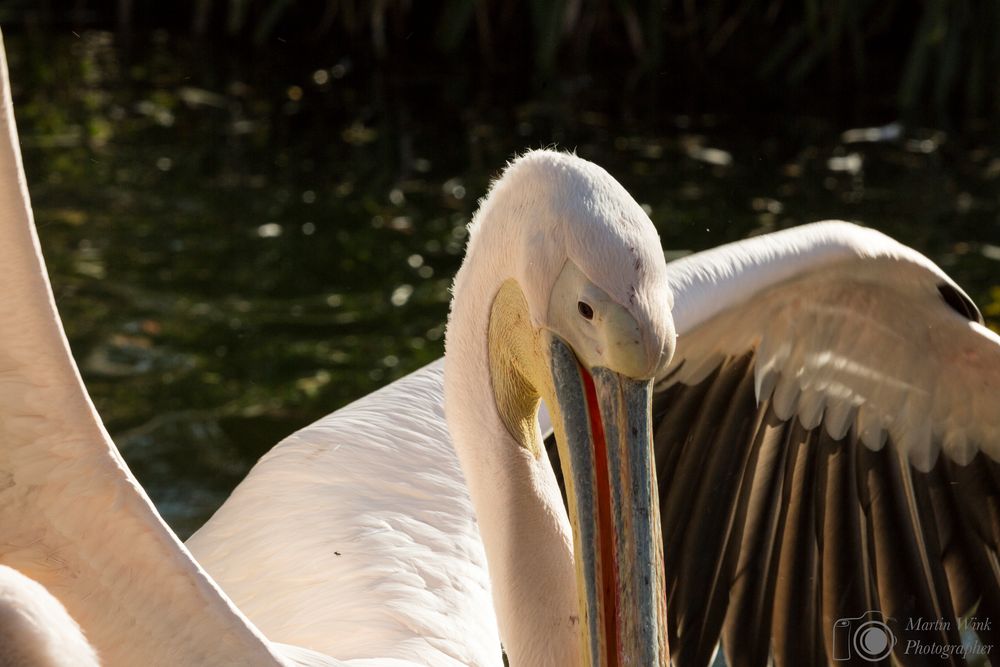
<point>240,243</point>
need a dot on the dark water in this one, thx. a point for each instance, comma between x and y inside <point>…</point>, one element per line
<point>242,242</point>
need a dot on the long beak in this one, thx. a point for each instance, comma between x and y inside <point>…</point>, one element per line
<point>607,457</point>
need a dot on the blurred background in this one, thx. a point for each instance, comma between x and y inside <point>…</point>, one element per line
<point>252,209</point>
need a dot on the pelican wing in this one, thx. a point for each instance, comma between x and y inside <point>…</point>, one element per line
<point>72,516</point>
<point>827,439</point>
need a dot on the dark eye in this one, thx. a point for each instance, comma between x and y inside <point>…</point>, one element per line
<point>585,310</point>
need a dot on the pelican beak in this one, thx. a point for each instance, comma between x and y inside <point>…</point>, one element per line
<point>606,450</point>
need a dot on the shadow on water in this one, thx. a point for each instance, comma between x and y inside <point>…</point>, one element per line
<point>241,243</point>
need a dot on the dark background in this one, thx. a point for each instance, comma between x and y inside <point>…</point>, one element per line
<point>935,60</point>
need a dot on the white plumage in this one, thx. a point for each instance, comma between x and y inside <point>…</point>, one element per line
<point>850,329</point>
<point>358,541</point>
<point>35,629</point>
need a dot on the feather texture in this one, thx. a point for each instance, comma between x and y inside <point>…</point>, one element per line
<point>393,569</point>
<point>861,484</point>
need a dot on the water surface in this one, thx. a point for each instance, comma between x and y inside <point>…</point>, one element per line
<point>242,242</point>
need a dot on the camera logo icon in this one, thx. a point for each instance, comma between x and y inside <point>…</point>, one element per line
<point>866,637</point>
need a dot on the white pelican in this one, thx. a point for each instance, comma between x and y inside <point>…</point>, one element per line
<point>354,542</point>
<point>826,441</point>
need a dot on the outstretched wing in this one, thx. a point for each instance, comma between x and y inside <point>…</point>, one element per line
<point>827,439</point>
<point>72,516</point>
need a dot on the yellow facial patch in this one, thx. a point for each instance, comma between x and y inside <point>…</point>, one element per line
<point>517,367</point>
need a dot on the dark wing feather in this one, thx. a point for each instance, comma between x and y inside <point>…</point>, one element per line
<point>841,537</point>
<point>748,620</point>
<point>973,563</point>
<point>796,595</point>
<point>855,481</point>
<point>774,537</point>
<point>698,581</point>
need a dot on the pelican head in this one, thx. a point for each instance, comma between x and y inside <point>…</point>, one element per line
<point>579,316</point>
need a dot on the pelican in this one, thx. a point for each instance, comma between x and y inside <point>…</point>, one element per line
<point>822,404</point>
<point>539,312</point>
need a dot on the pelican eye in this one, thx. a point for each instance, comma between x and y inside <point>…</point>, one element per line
<point>585,310</point>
